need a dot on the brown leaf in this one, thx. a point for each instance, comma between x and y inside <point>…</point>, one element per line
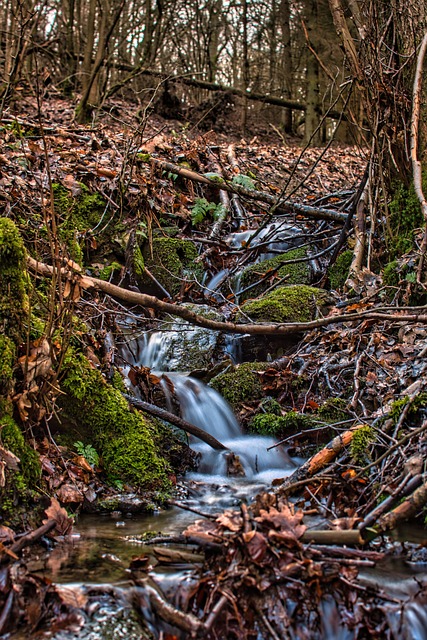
<point>69,493</point>
<point>73,596</point>
<point>6,534</point>
<point>231,520</point>
<point>23,403</point>
<point>202,530</point>
<point>64,523</point>
<point>256,545</point>
<point>106,173</point>
<point>12,461</point>
<point>286,520</point>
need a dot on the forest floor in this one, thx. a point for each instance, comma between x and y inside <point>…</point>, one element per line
<point>263,572</point>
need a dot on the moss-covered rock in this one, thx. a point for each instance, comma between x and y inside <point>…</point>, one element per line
<point>273,425</point>
<point>18,490</point>
<point>295,303</point>
<point>333,410</point>
<point>123,438</point>
<point>298,273</point>
<point>338,273</point>
<point>240,385</point>
<point>170,260</point>
<point>13,283</point>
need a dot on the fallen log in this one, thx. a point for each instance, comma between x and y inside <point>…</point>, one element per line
<point>177,421</point>
<point>280,206</point>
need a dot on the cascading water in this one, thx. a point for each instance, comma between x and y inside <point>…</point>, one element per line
<point>204,407</point>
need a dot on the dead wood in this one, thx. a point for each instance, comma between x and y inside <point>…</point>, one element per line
<point>26,540</point>
<point>407,486</point>
<point>177,421</point>
<point>333,536</point>
<point>280,206</point>
<point>407,509</point>
<point>407,315</point>
<point>317,462</point>
<point>167,612</point>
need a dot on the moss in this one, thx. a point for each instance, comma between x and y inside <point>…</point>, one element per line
<point>333,410</point>
<point>267,424</point>
<point>271,424</point>
<point>270,405</point>
<point>13,283</point>
<point>362,438</point>
<point>123,438</point>
<point>7,360</point>
<point>391,277</point>
<point>405,217</point>
<point>138,263</point>
<point>299,273</point>
<point>170,260</point>
<point>295,303</point>
<point>18,490</point>
<point>108,271</point>
<point>241,385</point>
<point>338,273</point>
<point>78,215</point>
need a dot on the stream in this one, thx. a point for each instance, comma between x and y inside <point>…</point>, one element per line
<point>103,546</point>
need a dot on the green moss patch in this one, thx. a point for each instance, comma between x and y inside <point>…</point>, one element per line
<point>338,273</point>
<point>298,273</point>
<point>123,438</point>
<point>270,424</point>
<point>241,385</point>
<point>78,215</point>
<point>170,260</point>
<point>295,303</point>
<point>405,217</point>
<point>20,484</point>
<point>13,298</point>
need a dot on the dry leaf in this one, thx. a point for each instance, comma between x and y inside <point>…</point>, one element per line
<point>64,523</point>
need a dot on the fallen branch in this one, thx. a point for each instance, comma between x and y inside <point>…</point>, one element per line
<point>282,329</point>
<point>26,540</point>
<point>177,421</point>
<point>407,509</point>
<point>317,462</point>
<point>280,206</point>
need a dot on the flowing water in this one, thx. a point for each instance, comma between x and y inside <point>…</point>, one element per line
<point>103,546</point>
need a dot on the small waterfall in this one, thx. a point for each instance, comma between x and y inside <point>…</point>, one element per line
<point>206,408</point>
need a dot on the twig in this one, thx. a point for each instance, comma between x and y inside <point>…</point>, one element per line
<point>179,422</point>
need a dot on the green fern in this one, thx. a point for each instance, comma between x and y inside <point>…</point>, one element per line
<point>88,452</point>
<point>244,181</point>
<point>202,209</point>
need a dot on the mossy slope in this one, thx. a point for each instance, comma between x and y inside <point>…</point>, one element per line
<point>13,297</point>
<point>123,438</point>
<point>170,260</point>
